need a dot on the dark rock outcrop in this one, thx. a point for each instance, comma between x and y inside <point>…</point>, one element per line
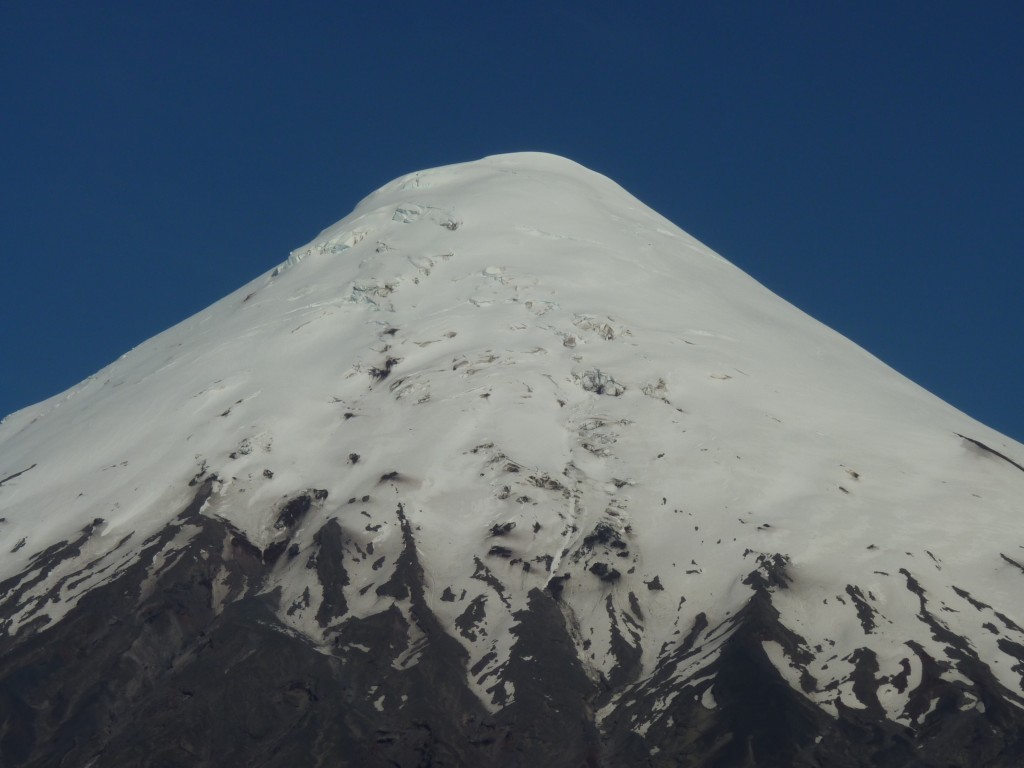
<point>158,667</point>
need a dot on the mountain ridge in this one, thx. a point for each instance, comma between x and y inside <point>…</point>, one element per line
<point>500,401</point>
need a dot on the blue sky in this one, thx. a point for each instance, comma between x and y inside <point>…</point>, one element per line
<point>862,160</point>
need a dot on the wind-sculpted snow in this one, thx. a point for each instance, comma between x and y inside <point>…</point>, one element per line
<point>504,426</point>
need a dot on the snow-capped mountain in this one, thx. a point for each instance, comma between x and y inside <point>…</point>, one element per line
<point>505,469</point>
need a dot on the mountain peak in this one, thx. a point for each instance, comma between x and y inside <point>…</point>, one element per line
<point>504,401</point>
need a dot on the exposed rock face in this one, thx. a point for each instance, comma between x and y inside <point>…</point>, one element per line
<point>160,672</point>
<point>506,470</point>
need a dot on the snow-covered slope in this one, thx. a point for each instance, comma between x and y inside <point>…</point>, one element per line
<point>507,383</point>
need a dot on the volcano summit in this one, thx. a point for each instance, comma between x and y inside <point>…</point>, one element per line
<point>505,469</point>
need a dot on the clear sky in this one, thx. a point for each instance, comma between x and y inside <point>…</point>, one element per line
<point>863,160</point>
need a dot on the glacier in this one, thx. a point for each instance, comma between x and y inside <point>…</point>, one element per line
<point>511,470</point>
